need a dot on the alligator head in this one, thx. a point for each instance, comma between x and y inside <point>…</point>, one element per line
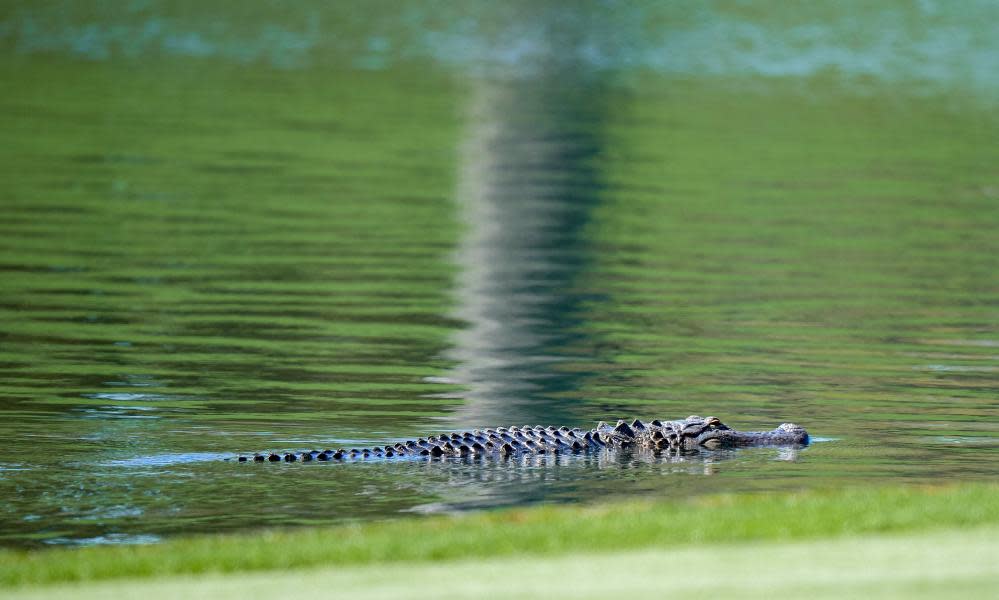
<point>712,433</point>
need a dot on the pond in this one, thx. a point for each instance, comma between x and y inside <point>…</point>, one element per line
<point>233,231</point>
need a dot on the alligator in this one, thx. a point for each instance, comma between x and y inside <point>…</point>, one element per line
<point>686,435</point>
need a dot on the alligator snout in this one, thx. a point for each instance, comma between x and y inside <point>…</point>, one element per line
<point>787,434</point>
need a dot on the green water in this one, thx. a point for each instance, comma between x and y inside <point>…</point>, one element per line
<point>203,255</point>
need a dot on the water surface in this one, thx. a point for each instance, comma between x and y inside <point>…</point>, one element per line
<point>223,239</point>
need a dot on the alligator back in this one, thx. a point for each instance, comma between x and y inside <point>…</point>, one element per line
<point>688,434</point>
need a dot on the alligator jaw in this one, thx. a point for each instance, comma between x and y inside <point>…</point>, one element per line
<point>787,434</point>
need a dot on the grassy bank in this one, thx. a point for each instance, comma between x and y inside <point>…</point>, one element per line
<point>950,563</point>
<point>538,532</point>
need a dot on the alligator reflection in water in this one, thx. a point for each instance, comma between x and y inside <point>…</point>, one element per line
<point>544,467</point>
<point>487,483</point>
<point>460,483</point>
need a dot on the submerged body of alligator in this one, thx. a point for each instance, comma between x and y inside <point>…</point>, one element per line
<point>688,434</point>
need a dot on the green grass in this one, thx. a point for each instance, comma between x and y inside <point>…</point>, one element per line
<point>955,563</point>
<point>551,531</point>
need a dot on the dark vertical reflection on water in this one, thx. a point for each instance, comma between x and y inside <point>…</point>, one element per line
<point>528,183</point>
